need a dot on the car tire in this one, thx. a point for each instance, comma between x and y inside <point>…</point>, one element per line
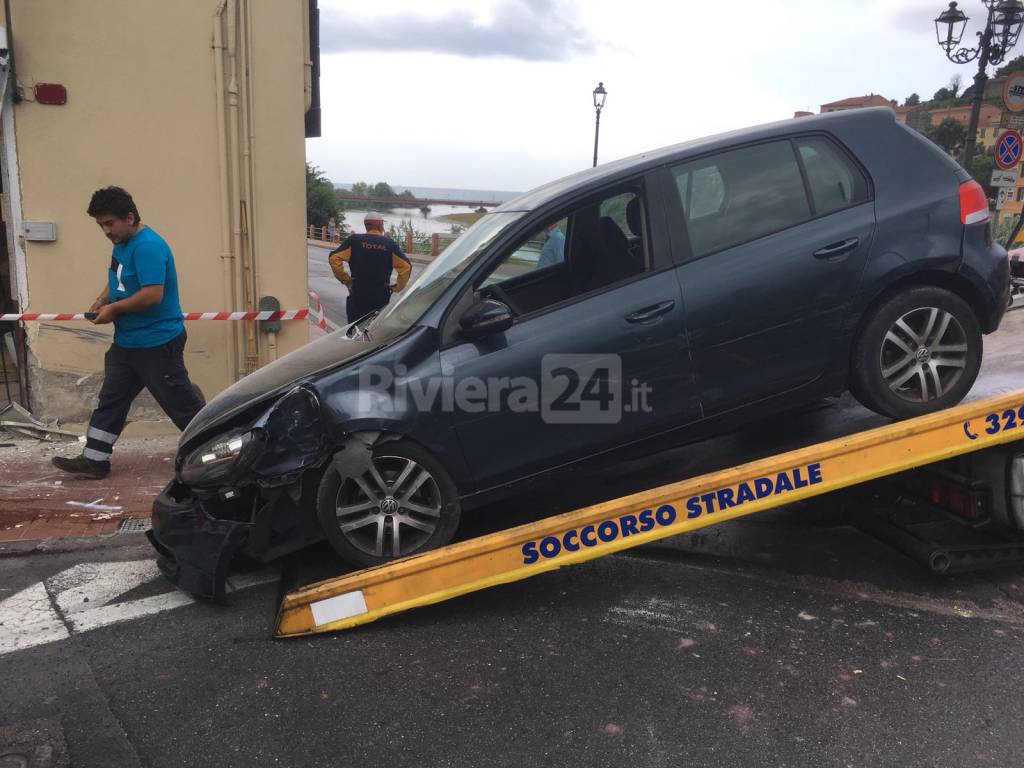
<point>919,352</point>
<point>406,504</point>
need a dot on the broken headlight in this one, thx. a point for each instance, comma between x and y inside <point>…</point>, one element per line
<point>220,460</point>
<point>294,432</point>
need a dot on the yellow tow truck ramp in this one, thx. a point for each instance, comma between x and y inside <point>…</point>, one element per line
<point>669,510</point>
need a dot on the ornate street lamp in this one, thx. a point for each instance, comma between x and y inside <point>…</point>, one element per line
<point>1006,23</point>
<point>599,96</point>
<point>949,27</point>
<point>1002,29</point>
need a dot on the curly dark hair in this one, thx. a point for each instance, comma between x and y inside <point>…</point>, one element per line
<point>113,200</point>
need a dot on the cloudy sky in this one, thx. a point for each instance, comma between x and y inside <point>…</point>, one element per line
<point>496,94</point>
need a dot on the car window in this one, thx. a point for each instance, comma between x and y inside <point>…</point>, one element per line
<point>615,209</point>
<point>702,191</point>
<point>544,248</point>
<point>410,304</point>
<point>834,181</point>
<point>738,196</point>
<point>601,243</point>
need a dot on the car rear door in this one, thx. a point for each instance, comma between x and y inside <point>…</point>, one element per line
<point>771,240</point>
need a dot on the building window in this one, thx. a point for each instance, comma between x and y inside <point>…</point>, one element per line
<point>1020,194</point>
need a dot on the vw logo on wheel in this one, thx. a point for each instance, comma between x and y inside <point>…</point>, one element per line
<point>389,506</point>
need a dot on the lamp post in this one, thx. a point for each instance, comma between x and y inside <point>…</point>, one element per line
<point>599,96</point>
<point>1002,28</point>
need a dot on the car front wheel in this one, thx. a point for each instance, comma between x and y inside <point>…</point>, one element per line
<point>919,352</point>
<point>404,503</point>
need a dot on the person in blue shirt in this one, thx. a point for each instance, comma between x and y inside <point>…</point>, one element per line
<point>553,251</point>
<point>141,300</point>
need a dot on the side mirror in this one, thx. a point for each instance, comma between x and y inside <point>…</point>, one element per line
<point>485,317</point>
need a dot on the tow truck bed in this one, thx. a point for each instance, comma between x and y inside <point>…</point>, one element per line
<point>786,459</point>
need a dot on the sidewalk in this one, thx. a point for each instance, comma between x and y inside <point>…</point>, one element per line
<point>38,501</point>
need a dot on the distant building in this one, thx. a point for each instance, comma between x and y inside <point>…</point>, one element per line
<point>989,129</point>
<point>918,118</point>
<point>802,113</point>
<point>858,102</point>
<point>902,112</point>
<point>963,114</point>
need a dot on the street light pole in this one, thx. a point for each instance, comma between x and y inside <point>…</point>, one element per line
<point>980,80</point>
<point>599,96</point>
<point>1002,28</point>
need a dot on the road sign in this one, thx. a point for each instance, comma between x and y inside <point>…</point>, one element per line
<point>1013,92</point>
<point>1011,121</point>
<point>1002,178</point>
<point>1005,196</point>
<point>1008,149</point>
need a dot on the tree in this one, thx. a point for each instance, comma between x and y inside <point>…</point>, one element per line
<point>982,166</point>
<point>1011,66</point>
<point>382,189</point>
<point>321,200</point>
<point>954,85</point>
<point>943,94</point>
<point>949,134</point>
<point>912,100</point>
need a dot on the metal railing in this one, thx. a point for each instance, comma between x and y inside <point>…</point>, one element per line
<point>431,245</point>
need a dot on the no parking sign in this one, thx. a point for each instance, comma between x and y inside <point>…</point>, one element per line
<point>1008,149</point>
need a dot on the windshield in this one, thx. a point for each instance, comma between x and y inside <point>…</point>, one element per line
<point>442,272</point>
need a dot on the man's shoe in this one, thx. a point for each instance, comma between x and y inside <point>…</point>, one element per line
<point>82,467</point>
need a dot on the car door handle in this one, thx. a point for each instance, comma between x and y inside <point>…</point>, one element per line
<point>647,314</point>
<point>833,251</point>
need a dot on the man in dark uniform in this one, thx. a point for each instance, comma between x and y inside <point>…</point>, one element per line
<point>141,300</point>
<point>371,258</point>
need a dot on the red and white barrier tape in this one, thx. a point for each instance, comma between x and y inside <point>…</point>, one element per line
<point>319,311</point>
<point>289,314</point>
<point>315,315</point>
<point>283,314</point>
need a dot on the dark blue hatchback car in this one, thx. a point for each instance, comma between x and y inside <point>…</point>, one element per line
<point>668,294</point>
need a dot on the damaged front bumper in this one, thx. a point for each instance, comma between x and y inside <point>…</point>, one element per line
<point>195,548</point>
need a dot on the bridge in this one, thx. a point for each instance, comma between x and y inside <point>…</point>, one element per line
<point>413,202</point>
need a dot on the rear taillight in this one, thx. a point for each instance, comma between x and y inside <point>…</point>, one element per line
<point>971,501</point>
<point>973,203</point>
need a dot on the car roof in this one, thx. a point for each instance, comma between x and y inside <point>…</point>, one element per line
<point>853,119</point>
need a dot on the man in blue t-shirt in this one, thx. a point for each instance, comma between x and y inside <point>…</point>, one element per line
<point>553,251</point>
<point>141,300</point>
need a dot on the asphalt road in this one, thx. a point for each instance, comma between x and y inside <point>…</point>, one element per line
<point>786,639</point>
<point>785,643</point>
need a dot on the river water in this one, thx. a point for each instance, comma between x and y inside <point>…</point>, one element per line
<point>428,224</point>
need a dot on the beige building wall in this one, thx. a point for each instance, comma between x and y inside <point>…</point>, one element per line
<point>146,110</point>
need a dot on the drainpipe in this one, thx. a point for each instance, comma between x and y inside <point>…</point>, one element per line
<point>233,157</point>
<point>226,254</point>
<point>248,211</point>
<point>307,62</point>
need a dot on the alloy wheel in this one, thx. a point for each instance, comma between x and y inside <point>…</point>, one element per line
<point>390,510</point>
<point>924,354</point>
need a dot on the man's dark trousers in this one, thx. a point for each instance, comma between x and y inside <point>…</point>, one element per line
<point>363,300</point>
<point>126,371</point>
